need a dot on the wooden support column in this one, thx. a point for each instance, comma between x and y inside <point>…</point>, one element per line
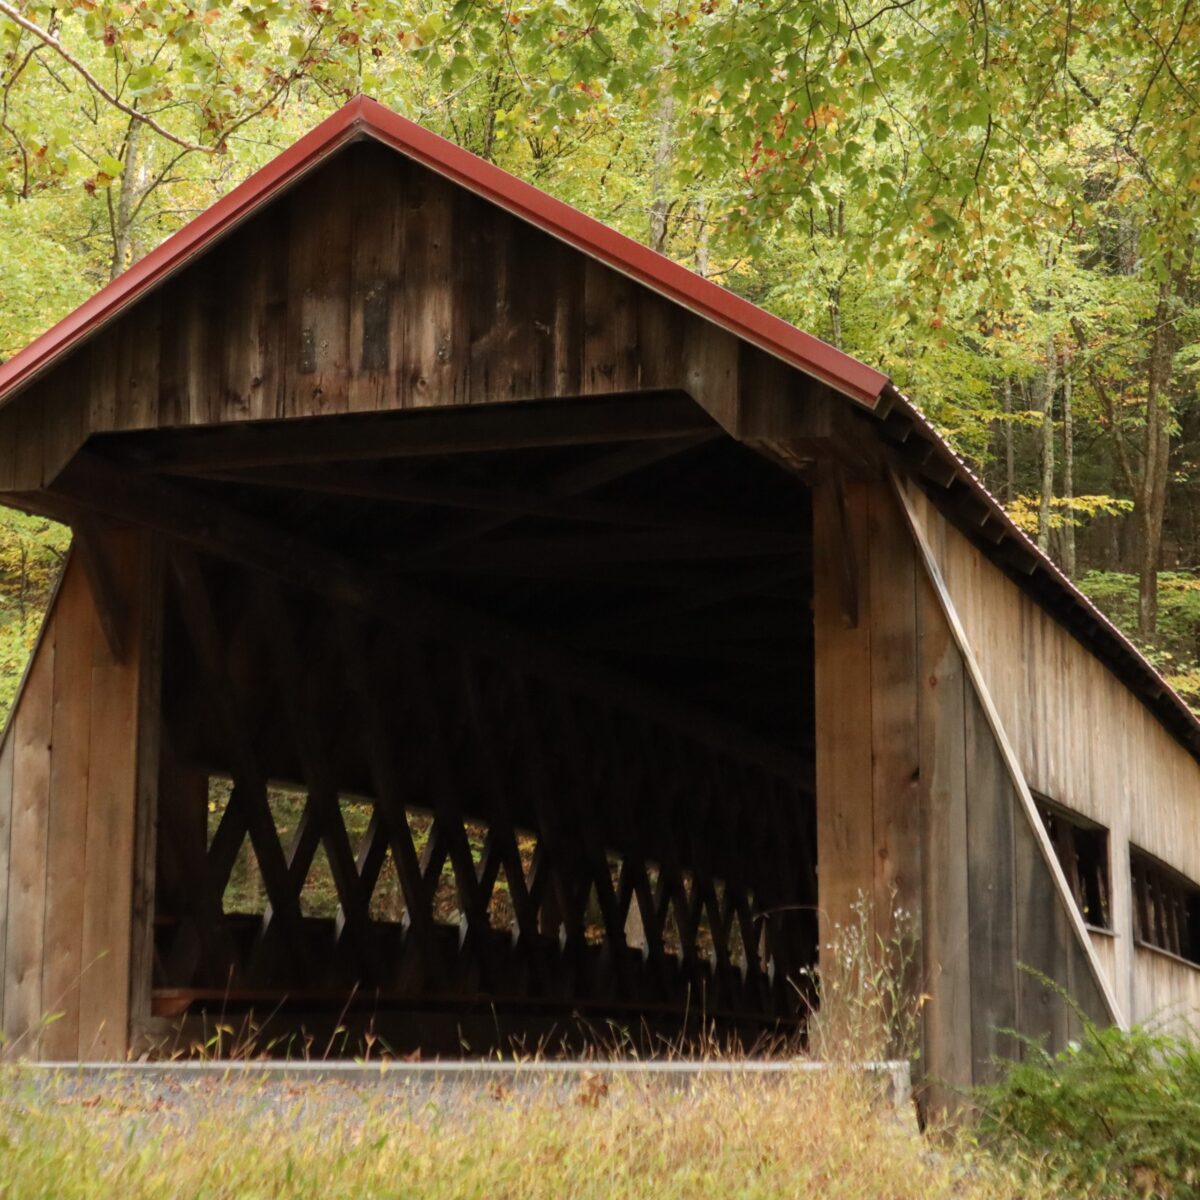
<point>108,950</point>
<point>867,752</point>
<point>845,820</point>
<point>75,753</point>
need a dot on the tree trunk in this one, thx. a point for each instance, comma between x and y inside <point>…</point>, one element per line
<point>1046,491</point>
<point>1010,454</point>
<point>660,206</point>
<point>1068,483</point>
<point>702,237</point>
<point>127,198</point>
<point>1156,451</point>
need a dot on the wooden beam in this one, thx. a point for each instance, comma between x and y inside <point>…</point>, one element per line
<point>839,538</point>
<point>748,624</point>
<point>794,419</point>
<point>250,788</point>
<point>697,599</point>
<point>611,465</point>
<point>409,433</point>
<point>112,609</point>
<point>226,533</point>
<point>512,556</point>
<point>596,472</point>
<point>320,778</point>
<point>679,577</point>
<point>508,504</point>
<point>770,658</point>
<point>388,791</point>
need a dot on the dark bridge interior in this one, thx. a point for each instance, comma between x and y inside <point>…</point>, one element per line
<point>506,746</point>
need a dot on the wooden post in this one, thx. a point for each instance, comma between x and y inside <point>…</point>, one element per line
<point>148,649</point>
<point>845,819</point>
<point>109,871</point>
<point>74,748</point>
<point>867,740</point>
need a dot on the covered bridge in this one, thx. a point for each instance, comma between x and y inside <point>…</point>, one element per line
<point>479,627</point>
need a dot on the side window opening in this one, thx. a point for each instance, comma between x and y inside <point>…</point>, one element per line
<point>1166,907</point>
<point>1082,850</point>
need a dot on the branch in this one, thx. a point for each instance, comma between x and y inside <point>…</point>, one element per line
<point>7,10</point>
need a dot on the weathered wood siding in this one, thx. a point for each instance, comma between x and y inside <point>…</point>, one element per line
<point>917,807</point>
<point>67,768</point>
<point>373,284</point>
<point>1083,739</point>
<point>866,709</point>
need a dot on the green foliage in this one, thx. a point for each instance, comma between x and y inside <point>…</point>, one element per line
<point>1176,650</point>
<point>32,551</point>
<point>1115,1115</point>
<point>41,280</point>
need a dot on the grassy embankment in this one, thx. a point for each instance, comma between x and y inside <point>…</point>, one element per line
<point>738,1137</point>
<point>832,1135</point>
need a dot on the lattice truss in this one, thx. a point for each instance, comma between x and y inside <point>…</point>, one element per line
<point>344,808</point>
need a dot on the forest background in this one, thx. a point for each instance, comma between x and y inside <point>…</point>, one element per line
<point>996,203</point>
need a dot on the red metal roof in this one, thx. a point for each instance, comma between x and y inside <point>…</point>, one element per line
<point>363,116</point>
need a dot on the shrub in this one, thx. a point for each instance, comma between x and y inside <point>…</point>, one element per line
<point>1116,1114</point>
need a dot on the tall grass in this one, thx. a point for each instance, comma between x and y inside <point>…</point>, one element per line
<point>731,1136</point>
<point>834,1134</point>
<point>868,990</point>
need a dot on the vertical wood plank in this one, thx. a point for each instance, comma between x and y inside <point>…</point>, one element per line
<point>662,327</point>
<point>434,282</point>
<point>137,341</point>
<point>28,466</point>
<point>567,283</point>
<point>102,384</point>
<point>10,444</point>
<point>710,370</point>
<point>148,612</point>
<point>510,318</point>
<point>318,284</point>
<point>76,628</point>
<point>27,868</point>
<point>253,269</point>
<point>376,329</point>
<point>894,734</point>
<point>108,871</point>
<point>610,329</point>
<point>200,347</point>
<point>845,831</point>
<point>944,922</point>
<point>990,901</point>
<point>65,413</point>
<point>1042,945</point>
